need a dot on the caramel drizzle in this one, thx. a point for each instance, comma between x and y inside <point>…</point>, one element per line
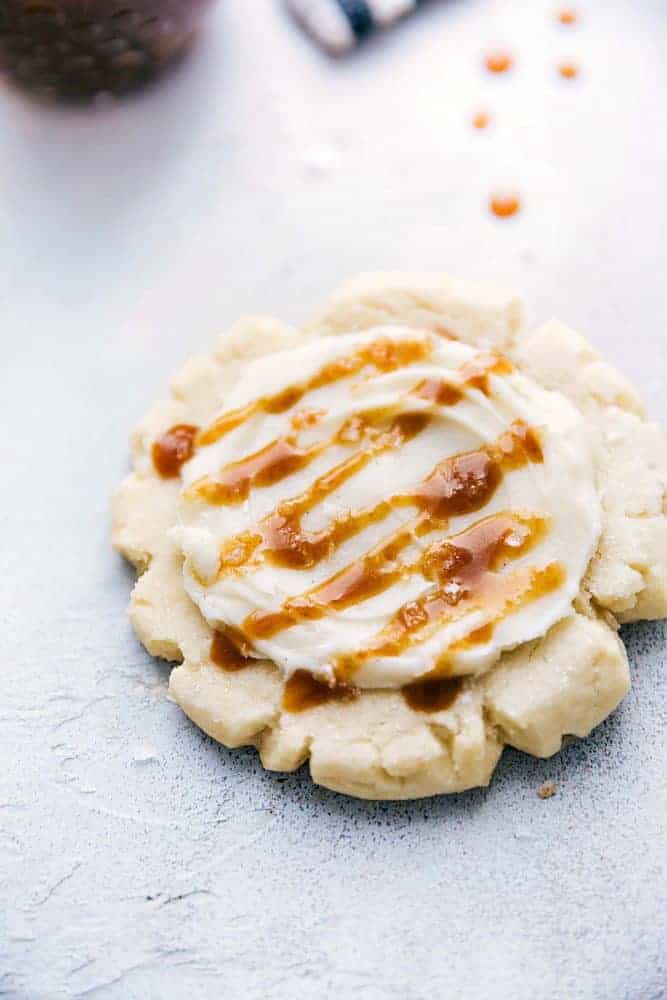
<point>277,460</point>
<point>464,483</point>
<point>173,449</point>
<point>382,428</point>
<point>460,484</point>
<point>303,691</point>
<point>230,649</point>
<point>379,569</point>
<point>460,566</point>
<point>432,695</point>
<point>283,457</point>
<point>417,620</point>
<point>465,569</point>
<point>474,374</point>
<point>280,533</point>
<point>374,573</point>
<point>383,355</point>
<point>288,545</point>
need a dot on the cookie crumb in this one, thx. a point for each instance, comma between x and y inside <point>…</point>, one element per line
<point>547,790</point>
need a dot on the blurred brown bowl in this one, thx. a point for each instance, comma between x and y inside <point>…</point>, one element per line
<point>79,48</point>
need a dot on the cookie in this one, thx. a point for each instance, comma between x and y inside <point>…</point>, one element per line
<point>398,539</point>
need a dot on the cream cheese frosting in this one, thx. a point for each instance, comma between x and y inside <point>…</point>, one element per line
<point>381,507</point>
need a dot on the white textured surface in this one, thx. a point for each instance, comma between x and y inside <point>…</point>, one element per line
<point>137,859</point>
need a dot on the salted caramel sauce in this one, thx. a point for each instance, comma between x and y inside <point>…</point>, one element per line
<point>505,205</point>
<point>173,449</point>
<point>303,419</point>
<point>460,484</point>
<point>478,637</point>
<point>366,577</point>
<point>499,62</point>
<point>484,546</point>
<point>275,461</point>
<point>464,483</point>
<point>228,422</point>
<point>439,391</point>
<point>237,553</point>
<point>230,649</point>
<point>472,375</point>
<point>280,535</point>
<point>526,587</point>
<point>477,371</point>
<point>432,695</point>
<point>303,691</point>
<point>466,618</point>
<point>382,355</point>
<point>414,622</point>
<point>464,568</point>
<point>567,16</point>
<point>289,545</point>
<point>378,570</point>
<point>518,445</point>
<point>568,70</point>
<point>383,429</point>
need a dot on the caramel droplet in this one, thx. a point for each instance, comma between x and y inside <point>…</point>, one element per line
<point>505,205</point>
<point>303,691</point>
<point>229,650</point>
<point>173,449</point>
<point>567,16</point>
<point>432,695</point>
<point>481,120</point>
<point>499,62</point>
<point>568,70</point>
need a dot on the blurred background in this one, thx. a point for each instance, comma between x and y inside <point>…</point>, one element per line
<point>139,859</point>
<point>262,172</point>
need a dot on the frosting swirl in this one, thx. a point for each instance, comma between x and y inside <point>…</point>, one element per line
<point>383,507</point>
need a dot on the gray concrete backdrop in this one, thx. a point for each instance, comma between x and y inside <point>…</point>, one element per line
<point>138,860</point>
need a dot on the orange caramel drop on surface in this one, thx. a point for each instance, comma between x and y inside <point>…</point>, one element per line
<point>568,70</point>
<point>567,16</point>
<point>504,204</point>
<point>499,61</point>
<point>481,120</point>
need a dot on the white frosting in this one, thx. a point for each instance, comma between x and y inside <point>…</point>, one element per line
<point>560,489</point>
